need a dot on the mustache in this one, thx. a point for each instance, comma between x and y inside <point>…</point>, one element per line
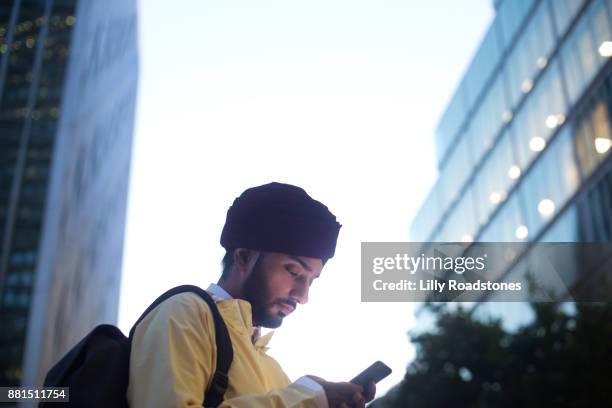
<point>288,302</point>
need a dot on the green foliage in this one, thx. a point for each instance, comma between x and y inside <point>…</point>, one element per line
<point>560,359</point>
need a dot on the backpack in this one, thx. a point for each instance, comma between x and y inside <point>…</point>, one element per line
<point>97,368</point>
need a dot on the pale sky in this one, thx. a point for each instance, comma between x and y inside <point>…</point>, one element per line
<point>338,97</point>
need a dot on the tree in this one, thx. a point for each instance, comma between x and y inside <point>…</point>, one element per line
<point>560,359</point>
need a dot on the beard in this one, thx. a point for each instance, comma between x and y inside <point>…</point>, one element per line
<point>257,294</point>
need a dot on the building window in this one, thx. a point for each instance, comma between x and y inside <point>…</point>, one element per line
<point>596,209</point>
<point>512,14</point>
<point>497,175</point>
<point>427,218</point>
<point>539,117</point>
<point>488,120</point>
<point>461,224</point>
<point>593,129</point>
<point>530,55</point>
<point>565,229</point>
<point>564,12</point>
<point>454,174</point>
<point>585,52</point>
<point>508,225</point>
<point>551,182</point>
<point>451,122</point>
<point>482,66</point>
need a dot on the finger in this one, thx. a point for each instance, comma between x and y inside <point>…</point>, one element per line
<point>344,405</point>
<point>358,400</point>
<point>348,388</point>
<point>370,391</point>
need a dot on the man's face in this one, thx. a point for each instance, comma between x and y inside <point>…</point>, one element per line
<point>277,283</point>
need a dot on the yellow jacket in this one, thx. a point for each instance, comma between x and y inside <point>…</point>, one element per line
<point>174,355</point>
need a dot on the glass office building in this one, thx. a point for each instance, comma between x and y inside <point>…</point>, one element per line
<point>68,77</point>
<point>524,146</point>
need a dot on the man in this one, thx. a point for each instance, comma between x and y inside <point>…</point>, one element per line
<point>277,240</point>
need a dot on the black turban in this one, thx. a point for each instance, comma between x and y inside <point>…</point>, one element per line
<point>281,218</point>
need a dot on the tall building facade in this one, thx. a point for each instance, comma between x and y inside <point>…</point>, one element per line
<point>524,145</point>
<point>68,80</point>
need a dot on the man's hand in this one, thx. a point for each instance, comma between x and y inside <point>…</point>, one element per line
<point>346,394</point>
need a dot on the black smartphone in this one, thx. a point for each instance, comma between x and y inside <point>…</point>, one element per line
<point>375,372</point>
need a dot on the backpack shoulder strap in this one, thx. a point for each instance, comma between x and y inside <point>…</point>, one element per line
<point>225,353</point>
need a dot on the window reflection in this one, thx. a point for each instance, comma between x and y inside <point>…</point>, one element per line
<point>565,228</point>
<point>488,120</point>
<point>498,173</point>
<point>508,225</point>
<point>511,14</point>
<point>563,12</point>
<point>581,54</point>
<point>450,123</point>
<point>483,65</point>
<point>427,217</point>
<point>550,183</point>
<point>455,172</point>
<point>593,129</point>
<point>539,117</point>
<point>461,225</point>
<point>530,55</point>
<point>596,210</point>
<point>600,26</point>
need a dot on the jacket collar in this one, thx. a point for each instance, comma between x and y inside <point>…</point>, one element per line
<point>218,292</point>
<point>242,309</point>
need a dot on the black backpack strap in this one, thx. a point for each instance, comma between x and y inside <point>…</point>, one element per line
<point>225,353</point>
